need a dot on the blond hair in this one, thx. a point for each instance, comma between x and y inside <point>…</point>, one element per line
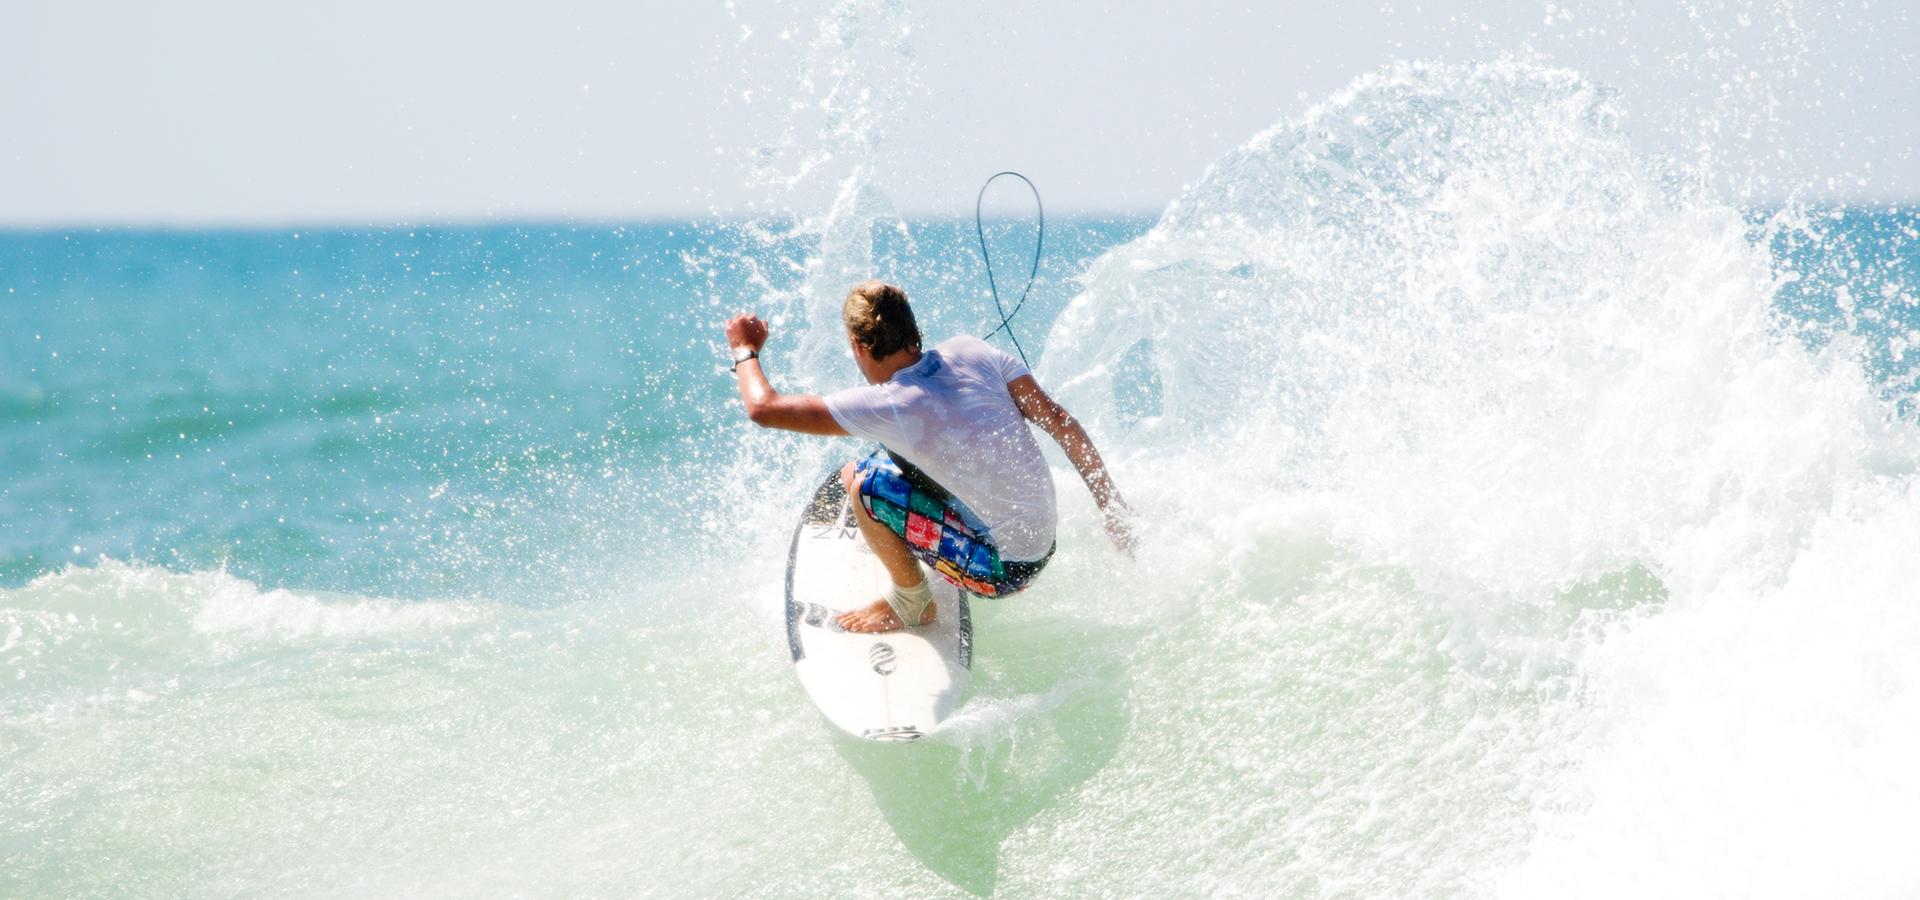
<point>878,317</point>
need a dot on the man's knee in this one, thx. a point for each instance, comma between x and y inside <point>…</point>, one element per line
<point>851,479</point>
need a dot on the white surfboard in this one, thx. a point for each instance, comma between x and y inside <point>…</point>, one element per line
<point>894,686</point>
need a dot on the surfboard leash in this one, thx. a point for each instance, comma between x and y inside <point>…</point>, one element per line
<point>1039,242</point>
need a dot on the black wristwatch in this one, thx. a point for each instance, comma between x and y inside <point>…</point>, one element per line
<point>738,359</point>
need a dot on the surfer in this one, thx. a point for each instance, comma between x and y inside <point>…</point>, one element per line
<point>960,484</point>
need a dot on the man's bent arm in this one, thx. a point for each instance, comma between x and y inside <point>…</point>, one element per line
<point>1066,431</point>
<point>768,408</point>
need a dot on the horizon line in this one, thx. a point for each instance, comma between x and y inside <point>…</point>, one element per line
<point>471,222</point>
<point>654,219</point>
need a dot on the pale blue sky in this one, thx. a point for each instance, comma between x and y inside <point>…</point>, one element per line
<point>202,112</point>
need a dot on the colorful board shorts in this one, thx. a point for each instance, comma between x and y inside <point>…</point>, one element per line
<point>940,530</point>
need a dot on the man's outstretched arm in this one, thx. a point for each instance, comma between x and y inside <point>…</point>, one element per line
<point>1065,430</point>
<point>806,413</point>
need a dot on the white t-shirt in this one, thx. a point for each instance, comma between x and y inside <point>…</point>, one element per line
<point>951,415</point>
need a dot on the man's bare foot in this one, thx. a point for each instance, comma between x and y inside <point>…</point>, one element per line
<point>877,617</point>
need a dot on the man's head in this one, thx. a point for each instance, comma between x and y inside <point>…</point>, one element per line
<point>879,321</point>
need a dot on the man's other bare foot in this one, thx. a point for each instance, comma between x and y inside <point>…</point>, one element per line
<point>877,617</point>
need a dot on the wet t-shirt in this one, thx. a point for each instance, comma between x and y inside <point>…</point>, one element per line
<point>951,415</point>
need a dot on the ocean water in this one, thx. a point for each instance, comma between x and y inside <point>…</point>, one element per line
<point>1520,520</point>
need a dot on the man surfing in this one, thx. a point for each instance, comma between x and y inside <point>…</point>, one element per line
<point>961,484</point>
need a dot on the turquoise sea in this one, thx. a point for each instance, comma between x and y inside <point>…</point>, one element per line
<point>1519,521</point>
<point>411,412</point>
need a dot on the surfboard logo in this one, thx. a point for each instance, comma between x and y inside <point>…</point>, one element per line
<point>893,733</point>
<point>882,657</point>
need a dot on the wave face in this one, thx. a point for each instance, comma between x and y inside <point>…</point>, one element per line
<point>1515,545</point>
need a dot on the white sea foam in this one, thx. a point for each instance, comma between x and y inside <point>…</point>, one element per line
<point>91,621</point>
<point>1754,740</point>
<point>1450,315</point>
<point>239,608</point>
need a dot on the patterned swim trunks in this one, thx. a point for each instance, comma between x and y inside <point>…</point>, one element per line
<point>940,530</point>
